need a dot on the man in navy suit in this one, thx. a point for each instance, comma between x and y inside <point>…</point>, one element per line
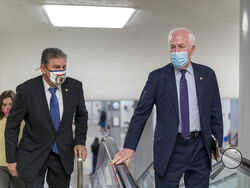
<point>189,112</point>
<point>48,104</point>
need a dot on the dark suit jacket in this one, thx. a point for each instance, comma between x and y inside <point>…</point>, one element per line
<point>39,133</point>
<point>160,90</point>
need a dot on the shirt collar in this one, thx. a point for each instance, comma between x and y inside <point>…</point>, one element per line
<point>47,86</point>
<point>189,69</point>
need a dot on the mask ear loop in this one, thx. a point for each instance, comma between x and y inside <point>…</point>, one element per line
<point>48,70</point>
<point>48,78</point>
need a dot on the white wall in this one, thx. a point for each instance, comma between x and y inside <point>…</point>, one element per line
<point>114,64</point>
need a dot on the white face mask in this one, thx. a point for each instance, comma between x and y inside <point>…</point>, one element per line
<point>57,77</point>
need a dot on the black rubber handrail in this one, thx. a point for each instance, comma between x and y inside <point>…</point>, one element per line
<point>245,166</point>
<point>123,175</point>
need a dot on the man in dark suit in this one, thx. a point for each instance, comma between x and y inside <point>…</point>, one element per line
<point>189,112</point>
<point>48,104</point>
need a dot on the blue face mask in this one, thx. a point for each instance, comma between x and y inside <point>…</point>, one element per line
<point>179,59</point>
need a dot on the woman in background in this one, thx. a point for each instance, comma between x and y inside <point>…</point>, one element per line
<point>6,179</point>
<point>95,149</point>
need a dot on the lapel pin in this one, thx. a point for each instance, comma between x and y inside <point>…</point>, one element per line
<point>66,90</point>
<point>201,78</point>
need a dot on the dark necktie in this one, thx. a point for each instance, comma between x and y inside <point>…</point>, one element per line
<point>184,105</point>
<point>55,114</point>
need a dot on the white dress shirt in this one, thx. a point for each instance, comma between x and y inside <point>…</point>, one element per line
<point>58,95</point>
<point>194,116</point>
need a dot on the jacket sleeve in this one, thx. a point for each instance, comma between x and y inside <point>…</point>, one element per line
<point>81,119</point>
<point>216,114</point>
<point>15,118</point>
<point>141,114</point>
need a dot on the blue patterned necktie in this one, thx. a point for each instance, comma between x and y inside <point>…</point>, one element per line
<point>184,105</point>
<point>55,114</point>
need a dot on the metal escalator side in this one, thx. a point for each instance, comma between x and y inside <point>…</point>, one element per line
<point>111,176</point>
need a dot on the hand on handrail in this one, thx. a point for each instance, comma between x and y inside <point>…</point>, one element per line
<point>122,156</point>
<point>218,157</point>
<point>80,151</point>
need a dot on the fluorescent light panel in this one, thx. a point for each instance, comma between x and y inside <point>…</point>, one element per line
<point>88,16</point>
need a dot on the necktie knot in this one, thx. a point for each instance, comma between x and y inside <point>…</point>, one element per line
<point>183,72</point>
<point>53,90</point>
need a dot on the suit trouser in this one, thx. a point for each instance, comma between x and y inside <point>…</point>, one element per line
<point>189,158</point>
<point>9,181</point>
<point>56,175</point>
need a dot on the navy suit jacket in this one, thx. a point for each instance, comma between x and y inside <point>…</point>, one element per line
<point>160,90</point>
<point>39,133</point>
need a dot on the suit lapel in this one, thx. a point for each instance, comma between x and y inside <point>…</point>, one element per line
<point>199,76</point>
<point>65,96</point>
<point>171,81</point>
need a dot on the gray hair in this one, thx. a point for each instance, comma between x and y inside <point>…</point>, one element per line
<point>50,53</point>
<point>191,36</point>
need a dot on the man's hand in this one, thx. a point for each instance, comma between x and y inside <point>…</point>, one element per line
<point>81,151</point>
<point>12,169</point>
<point>122,156</point>
<point>219,155</point>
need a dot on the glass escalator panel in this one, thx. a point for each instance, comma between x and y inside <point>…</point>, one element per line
<point>147,179</point>
<point>229,178</point>
<point>110,176</point>
<point>118,176</point>
<point>232,178</point>
<point>105,174</point>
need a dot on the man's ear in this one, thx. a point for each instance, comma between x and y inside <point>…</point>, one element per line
<point>192,49</point>
<point>42,67</point>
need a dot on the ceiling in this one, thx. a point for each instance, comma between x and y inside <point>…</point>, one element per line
<point>28,15</point>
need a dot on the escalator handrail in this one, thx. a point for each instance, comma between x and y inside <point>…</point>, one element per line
<point>244,166</point>
<point>123,175</point>
<point>79,172</point>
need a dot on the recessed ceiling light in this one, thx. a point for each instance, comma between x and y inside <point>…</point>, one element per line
<point>88,16</point>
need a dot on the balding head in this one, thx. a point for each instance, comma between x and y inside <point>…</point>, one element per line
<point>184,33</point>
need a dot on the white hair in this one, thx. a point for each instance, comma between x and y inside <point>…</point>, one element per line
<point>191,36</point>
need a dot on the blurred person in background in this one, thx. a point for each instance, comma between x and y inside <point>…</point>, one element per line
<point>95,148</point>
<point>6,179</point>
<point>102,123</point>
